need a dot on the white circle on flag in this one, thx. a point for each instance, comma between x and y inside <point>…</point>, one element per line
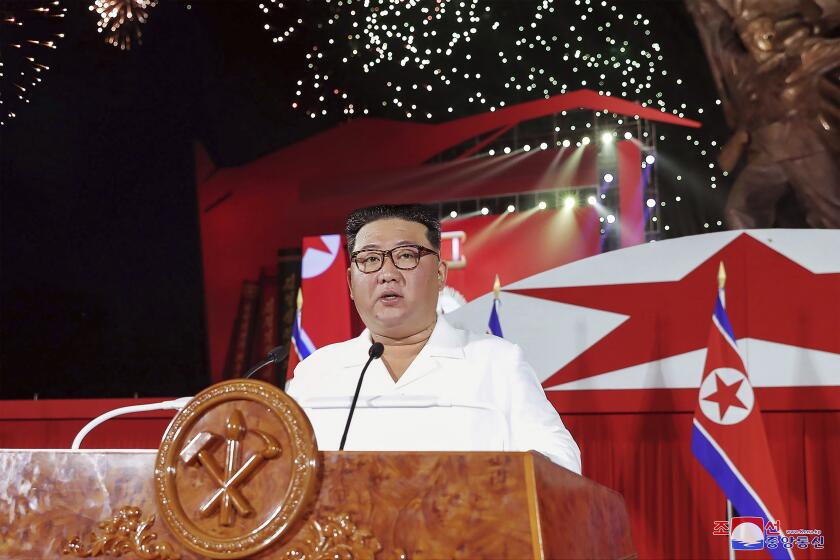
<point>316,261</point>
<point>726,392</point>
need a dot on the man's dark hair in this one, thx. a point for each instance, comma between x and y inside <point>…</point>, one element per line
<point>409,212</point>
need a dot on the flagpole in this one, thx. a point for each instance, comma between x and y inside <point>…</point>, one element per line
<point>494,326</point>
<point>729,520</point>
<point>722,295</point>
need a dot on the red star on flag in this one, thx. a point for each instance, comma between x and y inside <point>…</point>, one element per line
<point>726,396</point>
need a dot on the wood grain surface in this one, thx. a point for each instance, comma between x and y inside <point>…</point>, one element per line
<point>579,518</point>
<point>393,505</point>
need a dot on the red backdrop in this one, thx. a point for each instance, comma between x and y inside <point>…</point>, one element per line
<point>519,245</point>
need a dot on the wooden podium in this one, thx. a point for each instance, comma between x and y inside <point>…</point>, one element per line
<point>230,482</point>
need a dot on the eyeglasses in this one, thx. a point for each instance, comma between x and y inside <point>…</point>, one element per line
<point>405,257</point>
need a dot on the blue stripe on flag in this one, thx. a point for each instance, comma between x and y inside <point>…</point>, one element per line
<point>723,320</point>
<point>741,497</point>
<point>494,324</point>
<point>302,341</point>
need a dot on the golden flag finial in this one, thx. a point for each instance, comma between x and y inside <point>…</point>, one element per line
<point>300,299</point>
<point>721,276</point>
<point>497,288</point>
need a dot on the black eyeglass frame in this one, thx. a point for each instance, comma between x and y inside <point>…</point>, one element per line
<point>422,252</point>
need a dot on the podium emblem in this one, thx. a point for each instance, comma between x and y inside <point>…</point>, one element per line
<point>236,470</point>
<point>233,475</point>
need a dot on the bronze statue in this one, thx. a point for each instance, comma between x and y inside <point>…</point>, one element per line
<point>776,64</point>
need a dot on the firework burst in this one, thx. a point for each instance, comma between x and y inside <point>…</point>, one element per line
<point>29,30</point>
<point>121,20</point>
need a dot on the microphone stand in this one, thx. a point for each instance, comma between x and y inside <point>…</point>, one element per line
<point>376,350</point>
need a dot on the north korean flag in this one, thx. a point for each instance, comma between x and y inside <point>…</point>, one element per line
<point>323,303</point>
<point>728,436</point>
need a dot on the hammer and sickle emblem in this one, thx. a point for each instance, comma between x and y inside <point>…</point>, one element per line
<point>228,497</point>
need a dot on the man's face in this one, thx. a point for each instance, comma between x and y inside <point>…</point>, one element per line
<point>393,302</point>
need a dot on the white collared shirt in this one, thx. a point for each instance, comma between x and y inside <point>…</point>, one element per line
<point>463,392</point>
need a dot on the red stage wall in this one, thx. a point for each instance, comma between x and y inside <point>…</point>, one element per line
<point>519,245</point>
<point>631,213</point>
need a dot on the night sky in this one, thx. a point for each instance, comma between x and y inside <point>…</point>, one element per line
<point>100,271</point>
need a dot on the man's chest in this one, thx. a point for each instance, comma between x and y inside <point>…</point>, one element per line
<point>440,378</point>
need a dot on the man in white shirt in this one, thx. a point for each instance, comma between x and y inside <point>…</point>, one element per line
<point>436,387</point>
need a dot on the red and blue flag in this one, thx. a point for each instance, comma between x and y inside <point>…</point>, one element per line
<point>728,437</point>
<point>325,319</point>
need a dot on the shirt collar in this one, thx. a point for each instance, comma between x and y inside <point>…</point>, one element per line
<point>446,341</point>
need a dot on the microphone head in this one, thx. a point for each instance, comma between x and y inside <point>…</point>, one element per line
<point>376,350</point>
<point>278,354</point>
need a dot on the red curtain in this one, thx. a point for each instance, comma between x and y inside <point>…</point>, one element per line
<point>673,501</point>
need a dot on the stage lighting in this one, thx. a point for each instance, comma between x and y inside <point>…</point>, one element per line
<point>485,211</point>
<point>453,214</point>
<point>511,208</point>
<point>569,202</point>
<point>650,159</point>
<point>607,138</point>
<point>628,135</point>
<point>566,143</point>
<point>610,218</point>
<point>651,203</point>
<point>608,178</point>
<point>543,146</point>
<point>542,205</point>
<point>585,140</point>
<point>526,147</point>
<point>591,200</point>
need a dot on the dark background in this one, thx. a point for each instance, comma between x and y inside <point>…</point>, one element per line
<point>101,288</point>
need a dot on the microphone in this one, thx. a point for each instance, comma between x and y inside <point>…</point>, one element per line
<point>275,356</point>
<point>375,351</point>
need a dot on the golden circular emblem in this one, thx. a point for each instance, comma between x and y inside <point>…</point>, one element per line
<point>236,470</point>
